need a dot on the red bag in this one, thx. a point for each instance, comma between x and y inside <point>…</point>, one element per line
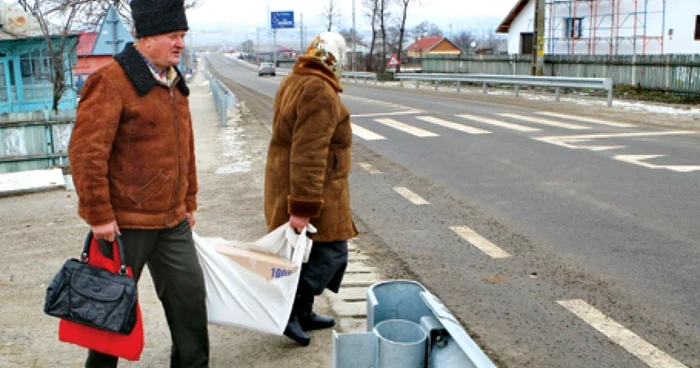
<point>124,346</point>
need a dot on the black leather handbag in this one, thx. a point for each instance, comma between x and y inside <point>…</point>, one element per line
<point>92,296</point>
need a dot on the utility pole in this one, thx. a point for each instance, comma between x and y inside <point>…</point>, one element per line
<point>354,39</point>
<point>301,33</point>
<point>538,39</point>
<point>274,44</point>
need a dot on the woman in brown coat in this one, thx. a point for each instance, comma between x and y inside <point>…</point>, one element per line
<point>306,179</point>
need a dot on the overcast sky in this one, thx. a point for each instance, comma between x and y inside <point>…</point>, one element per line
<point>253,12</point>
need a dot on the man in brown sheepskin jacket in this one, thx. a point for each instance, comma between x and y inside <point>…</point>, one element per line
<point>133,162</point>
<point>306,179</point>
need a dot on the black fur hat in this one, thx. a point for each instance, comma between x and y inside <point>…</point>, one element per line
<point>152,17</point>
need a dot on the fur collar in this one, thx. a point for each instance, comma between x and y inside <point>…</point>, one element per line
<point>139,73</point>
<point>308,65</point>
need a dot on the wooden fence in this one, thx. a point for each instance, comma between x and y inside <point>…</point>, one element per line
<point>31,141</point>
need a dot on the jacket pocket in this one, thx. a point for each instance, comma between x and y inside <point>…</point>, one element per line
<point>146,192</point>
<point>337,165</point>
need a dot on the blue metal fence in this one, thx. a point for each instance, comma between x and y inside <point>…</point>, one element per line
<point>224,99</point>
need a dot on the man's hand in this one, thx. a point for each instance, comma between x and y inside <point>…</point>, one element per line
<point>298,223</point>
<point>191,219</point>
<point>106,231</point>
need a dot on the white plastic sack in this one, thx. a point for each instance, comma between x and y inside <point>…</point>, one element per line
<point>274,242</point>
<point>237,296</point>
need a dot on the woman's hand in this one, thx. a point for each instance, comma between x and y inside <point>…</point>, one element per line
<point>298,223</point>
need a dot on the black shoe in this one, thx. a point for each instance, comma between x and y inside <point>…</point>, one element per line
<point>314,321</point>
<point>295,332</point>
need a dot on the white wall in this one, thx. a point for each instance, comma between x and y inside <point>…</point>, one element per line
<point>522,23</point>
<point>680,16</point>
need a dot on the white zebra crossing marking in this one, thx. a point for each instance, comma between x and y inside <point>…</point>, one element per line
<point>498,123</point>
<point>411,196</point>
<point>639,160</point>
<point>371,169</point>
<point>587,120</point>
<point>366,134</point>
<point>395,113</point>
<point>573,141</point>
<point>630,341</point>
<point>406,128</point>
<point>452,125</point>
<point>480,242</point>
<point>545,122</point>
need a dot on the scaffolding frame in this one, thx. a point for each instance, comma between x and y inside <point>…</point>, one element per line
<point>625,22</point>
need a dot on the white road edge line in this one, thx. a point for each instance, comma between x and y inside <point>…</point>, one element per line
<point>407,128</point>
<point>480,242</point>
<point>365,133</point>
<point>411,196</point>
<point>630,341</point>
<point>371,169</point>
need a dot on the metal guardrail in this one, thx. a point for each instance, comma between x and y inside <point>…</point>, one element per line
<point>516,80</point>
<point>407,327</point>
<point>224,99</point>
<point>347,75</point>
<point>282,71</point>
<point>360,75</point>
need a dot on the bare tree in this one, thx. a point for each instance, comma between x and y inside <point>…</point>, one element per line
<point>402,28</point>
<point>490,40</point>
<point>60,42</point>
<point>347,35</point>
<point>392,37</point>
<point>72,15</point>
<point>372,12</point>
<point>93,12</point>
<point>464,39</point>
<point>426,28</point>
<point>331,15</point>
<point>383,13</point>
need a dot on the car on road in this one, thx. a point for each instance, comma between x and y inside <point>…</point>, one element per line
<point>266,68</point>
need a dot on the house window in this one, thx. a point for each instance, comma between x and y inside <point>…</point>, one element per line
<point>697,28</point>
<point>35,67</point>
<point>574,28</point>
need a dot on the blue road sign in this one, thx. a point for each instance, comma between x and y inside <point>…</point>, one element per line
<point>282,19</point>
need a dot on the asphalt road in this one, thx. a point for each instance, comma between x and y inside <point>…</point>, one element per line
<point>558,240</point>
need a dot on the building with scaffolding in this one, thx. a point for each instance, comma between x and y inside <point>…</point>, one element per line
<point>607,27</point>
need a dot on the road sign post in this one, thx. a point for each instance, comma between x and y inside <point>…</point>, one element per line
<point>393,62</point>
<point>280,20</point>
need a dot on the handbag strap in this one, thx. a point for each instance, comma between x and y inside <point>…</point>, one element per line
<point>120,246</point>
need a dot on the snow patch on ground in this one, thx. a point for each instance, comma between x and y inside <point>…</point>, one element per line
<point>31,181</point>
<point>232,147</point>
